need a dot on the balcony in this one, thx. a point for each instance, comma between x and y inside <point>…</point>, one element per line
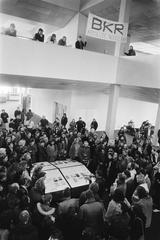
<point>35,64</point>
<point>33,61</point>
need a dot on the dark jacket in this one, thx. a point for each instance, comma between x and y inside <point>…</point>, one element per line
<point>17,113</point>
<point>131,52</point>
<point>91,215</point>
<point>64,121</point>
<point>24,232</point>
<point>80,44</point>
<point>4,117</point>
<point>38,37</point>
<point>84,155</point>
<point>94,125</point>
<point>80,125</point>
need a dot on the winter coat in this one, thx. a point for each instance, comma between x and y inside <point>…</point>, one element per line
<point>24,232</point>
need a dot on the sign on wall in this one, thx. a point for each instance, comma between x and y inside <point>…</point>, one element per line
<point>101,28</point>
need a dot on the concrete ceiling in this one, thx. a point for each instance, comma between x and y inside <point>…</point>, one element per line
<point>137,93</point>
<point>42,11</point>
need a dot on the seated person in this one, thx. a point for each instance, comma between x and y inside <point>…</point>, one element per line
<point>11,31</point>
<point>79,43</point>
<point>39,36</point>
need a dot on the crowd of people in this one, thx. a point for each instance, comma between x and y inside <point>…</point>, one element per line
<point>117,206</point>
<point>39,36</point>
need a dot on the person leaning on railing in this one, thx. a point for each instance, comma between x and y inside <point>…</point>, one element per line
<point>39,36</point>
<point>11,31</point>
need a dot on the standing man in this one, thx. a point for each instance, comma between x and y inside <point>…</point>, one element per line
<point>80,124</point>
<point>4,117</point>
<point>94,124</point>
<point>64,120</point>
<point>17,113</point>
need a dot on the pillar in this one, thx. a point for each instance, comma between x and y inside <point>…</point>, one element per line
<point>123,17</point>
<point>112,110</point>
<point>157,126</point>
<point>115,89</point>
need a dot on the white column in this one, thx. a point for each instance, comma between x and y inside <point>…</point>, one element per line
<point>123,17</point>
<point>112,110</point>
<point>115,89</point>
<point>157,126</point>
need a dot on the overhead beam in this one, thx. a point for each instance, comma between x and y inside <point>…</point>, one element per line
<point>87,5</point>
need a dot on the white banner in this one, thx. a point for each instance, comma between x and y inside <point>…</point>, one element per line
<point>101,28</point>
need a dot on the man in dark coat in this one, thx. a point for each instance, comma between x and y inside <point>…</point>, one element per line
<point>94,124</point>
<point>64,120</point>
<point>4,117</point>
<point>80,124</point>
<point>39,36</point>
<point>17,112</point>
<point>91,215</point>
<point>80,44</point>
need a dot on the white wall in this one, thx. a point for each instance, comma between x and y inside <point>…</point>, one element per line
<point>140,70</point>
<point>36,59</point>
<point>42,101</point>
<point>10,107</point>
<point>89,105</point>
<point>138,111</point>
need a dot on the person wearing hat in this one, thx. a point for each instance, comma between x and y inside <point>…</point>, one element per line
<point>24,230</point>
